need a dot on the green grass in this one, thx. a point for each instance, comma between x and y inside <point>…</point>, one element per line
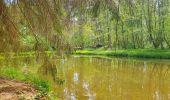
<point>137,53</point>
<point>14,73</point>
<point>44,86</point>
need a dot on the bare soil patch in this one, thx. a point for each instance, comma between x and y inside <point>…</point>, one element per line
<point>16,90</point>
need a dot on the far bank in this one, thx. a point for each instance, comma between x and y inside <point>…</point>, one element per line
<point>137,53</point>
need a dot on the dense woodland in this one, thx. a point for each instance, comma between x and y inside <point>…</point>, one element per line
<point>64,25</point>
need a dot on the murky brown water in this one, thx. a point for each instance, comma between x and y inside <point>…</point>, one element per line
<point>88,78</point>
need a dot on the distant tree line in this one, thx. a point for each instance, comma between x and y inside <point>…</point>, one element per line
<point>123,24</point>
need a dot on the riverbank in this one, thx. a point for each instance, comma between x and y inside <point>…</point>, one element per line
<point>16,90</point>
<point>18,85</point>
<point>137,53</point>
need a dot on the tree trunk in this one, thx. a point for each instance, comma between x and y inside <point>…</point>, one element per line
<point>159,27</point>
<point>149,26</point>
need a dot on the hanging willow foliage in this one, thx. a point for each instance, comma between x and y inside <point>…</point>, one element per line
<point>47,18</point>
<point>41,17</point>
<point>8,30</point>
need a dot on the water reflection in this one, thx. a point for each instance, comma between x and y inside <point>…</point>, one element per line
<point>115,79</point>
<point>87,78</point>
<point>48,70</point>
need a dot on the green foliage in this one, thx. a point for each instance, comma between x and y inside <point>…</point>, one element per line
<point>29,40</point>
<point>125,25</point>
<point>41,84</point>
<point>119,24</point>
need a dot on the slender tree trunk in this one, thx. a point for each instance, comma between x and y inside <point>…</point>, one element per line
<point>123,36</point>
<point>159,27</point>
<point>108,30</point>
<point>116,42</point>
<point>149,26</point>
<point>133,39</point>
<point>109,39</point>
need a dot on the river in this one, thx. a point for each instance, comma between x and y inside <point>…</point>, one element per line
<point>97,78</point>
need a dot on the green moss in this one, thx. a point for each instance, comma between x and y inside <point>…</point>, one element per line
<point>138,53</point>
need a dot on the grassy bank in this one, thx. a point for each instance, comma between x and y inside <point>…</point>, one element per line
<point>12,73</point>
<point>137,53</point>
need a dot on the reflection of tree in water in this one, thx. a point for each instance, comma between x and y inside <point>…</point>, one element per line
<point>159,81</point>
<point>167,71</point>
<point>48,69</point>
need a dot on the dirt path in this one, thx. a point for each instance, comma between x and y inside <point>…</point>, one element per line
<point>15,90</point>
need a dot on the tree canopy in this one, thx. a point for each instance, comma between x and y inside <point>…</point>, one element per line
<point>65,24</point>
